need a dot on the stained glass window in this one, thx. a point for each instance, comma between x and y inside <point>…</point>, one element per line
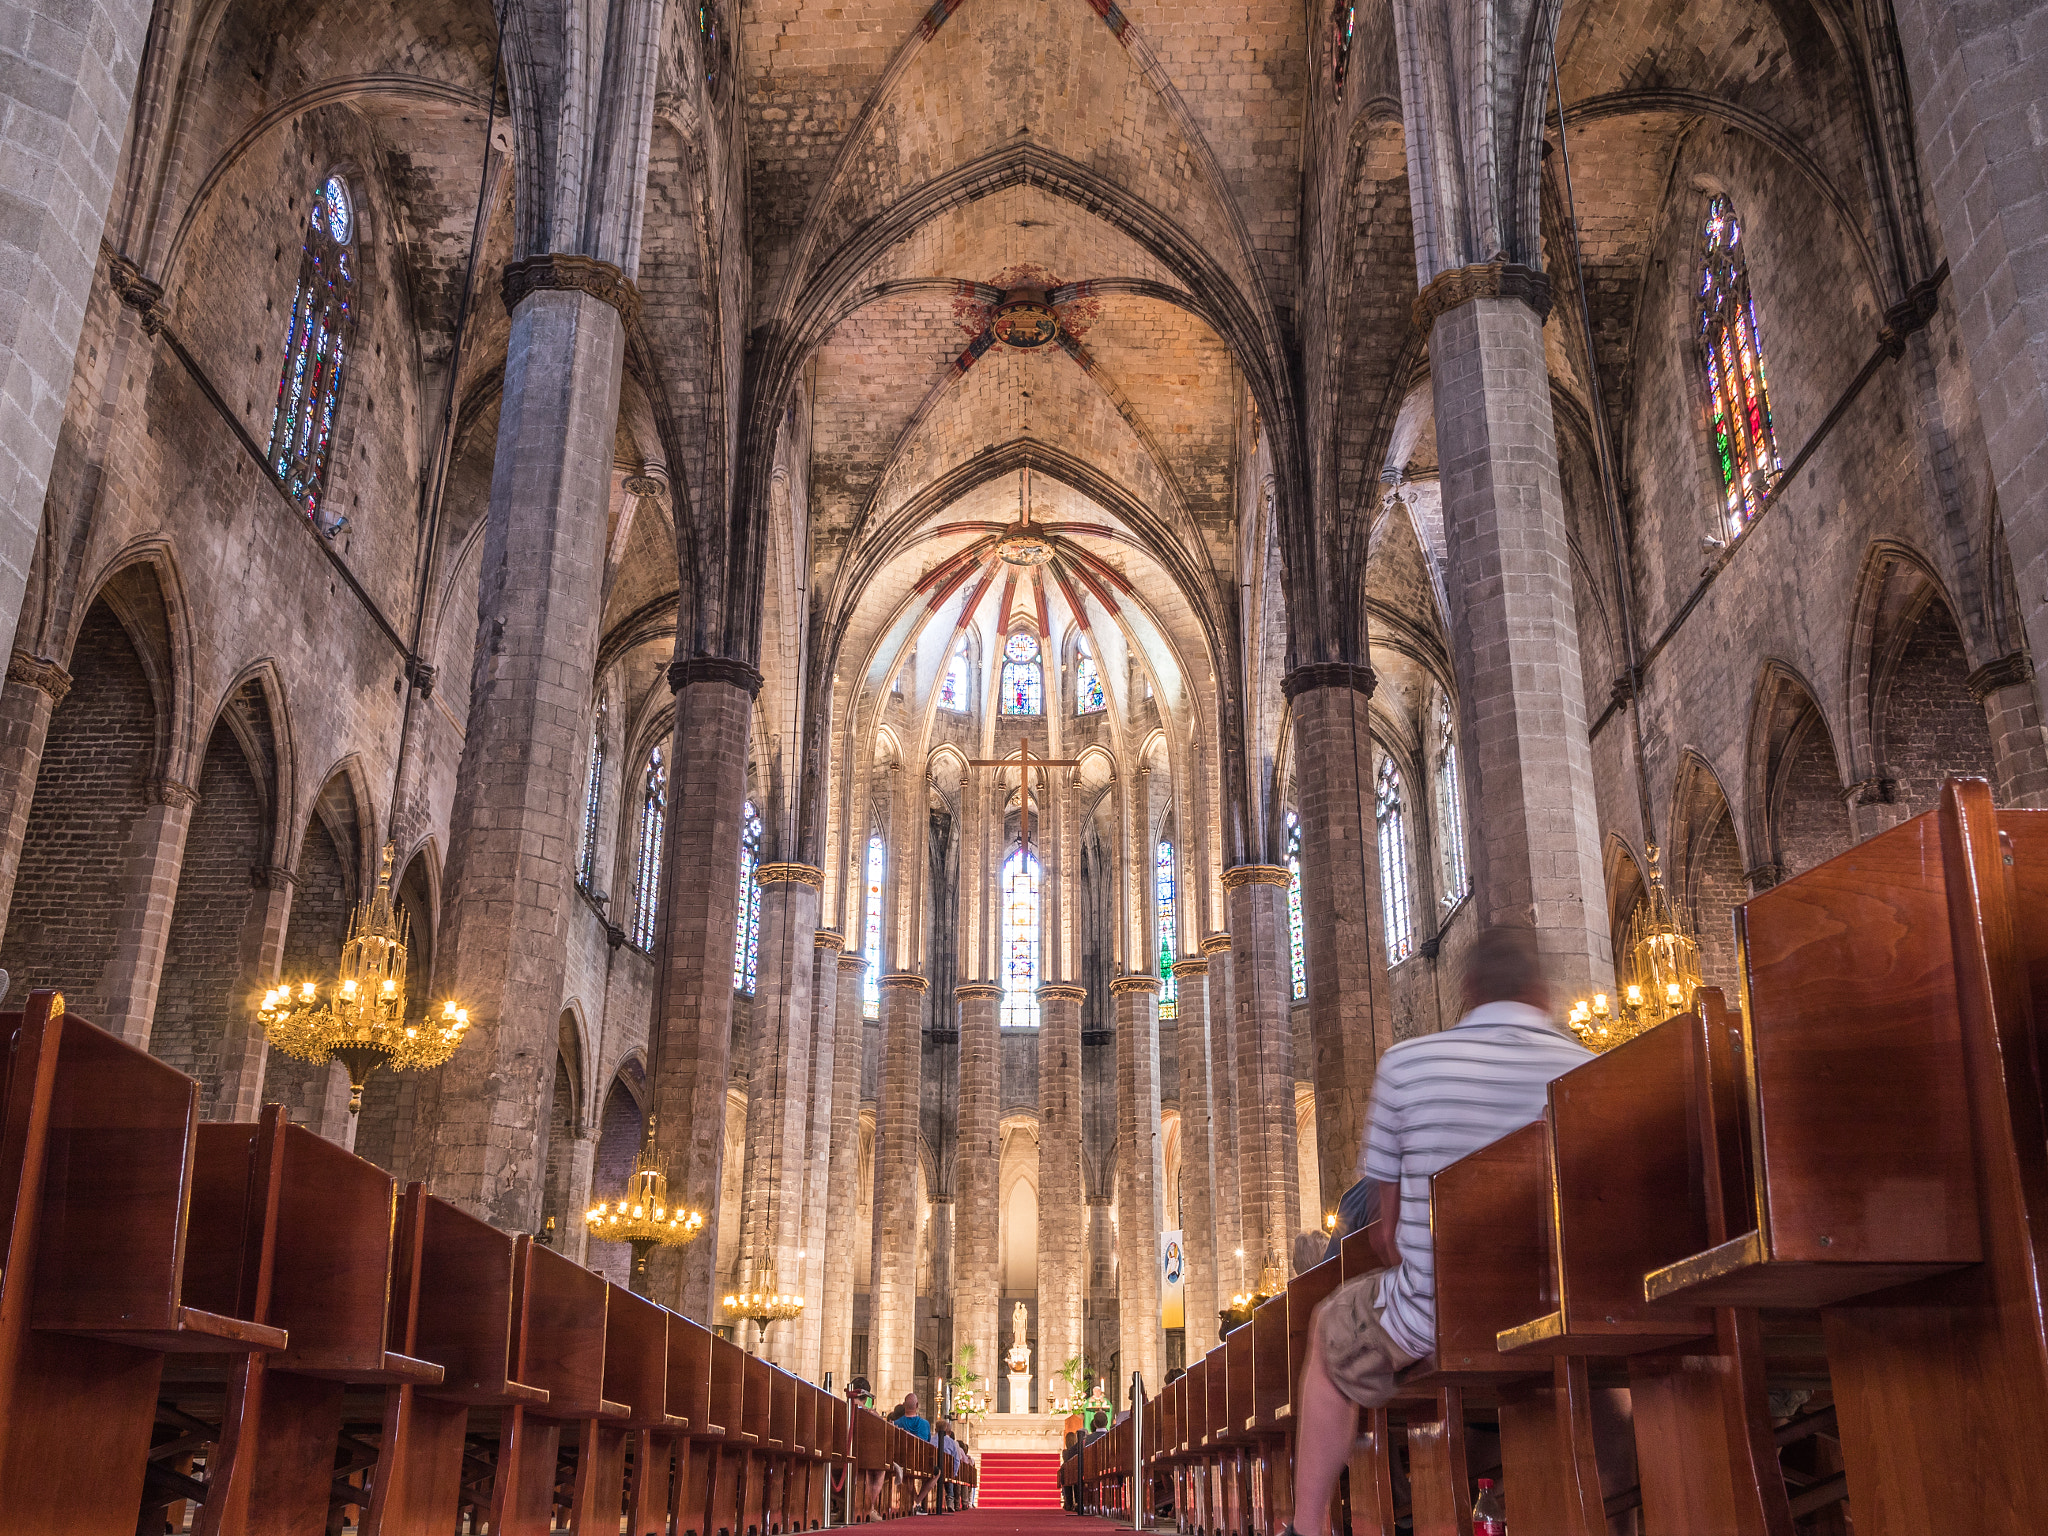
<point>1163,885</point>
<point>1343,23</point>
<point>647,872</point>
<point>1450,808</point>
<point>1020,939</point>
<point>871,934</point>
<point>593,797</point>
<point>746,939</point>
<point>956,688</point>
<point>1741,437</point>
<point>1089,698</point>
<point>1023,676</point>
<point>315,352</point>
<point>1296,959</point>
<point>1393,825</point>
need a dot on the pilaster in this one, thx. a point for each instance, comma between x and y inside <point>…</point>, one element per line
<point>1062,1214</point>
<point>1197,1155</point>
<point>1268,1178</point>
<point>846,1235</point>
<point>35,687</point>
<point>892,1330</point>
<point>245,1052</point>
<point>1228,1209</point>
<point>150,861</point>
<point>821,1098</point>
<point>1140,1176</point>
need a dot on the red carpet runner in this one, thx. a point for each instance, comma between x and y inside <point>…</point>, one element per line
<point>1020,1480</point>
<point>1010,1522</point>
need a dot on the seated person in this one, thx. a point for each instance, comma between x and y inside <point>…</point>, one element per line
<point>1435,1098</point>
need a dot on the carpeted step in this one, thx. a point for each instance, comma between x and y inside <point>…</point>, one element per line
<point>1020,1480</point>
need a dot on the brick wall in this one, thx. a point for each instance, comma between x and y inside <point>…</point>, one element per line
<point>312,949</point>
<point>201,974</point>
<point>1808,812</point>
<point>618,1144</point>
<point>70,893</point>
<point>1933,727</point>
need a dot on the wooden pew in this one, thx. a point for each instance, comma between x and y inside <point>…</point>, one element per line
<point>95,1164</point>
<point>690,1396</point>
<point>636,1373</point>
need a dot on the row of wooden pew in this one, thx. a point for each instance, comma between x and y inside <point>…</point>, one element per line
<point>1806,1238</point>
<point>248,1328</point>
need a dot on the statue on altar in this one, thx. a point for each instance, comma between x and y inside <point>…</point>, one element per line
<point>1019,1361</point>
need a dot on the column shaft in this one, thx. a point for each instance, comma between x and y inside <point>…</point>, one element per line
<point>1260,979</point>
<point>692,1029</point>
<point>34,690</point>
<point>512,833</point>
<point>245,1052</point>
<point>1350,1019</point>
<point>1197,1157</point>
<point>822,1099</point>
<point>150,860</point>
<point>1514,636</point>
<point>977,1192</point>
<point>844,1235</point>
<point>1229,1201</point>
<point>1140,1177</point>
<point>2019,752</point>
<point>892,1329</point>
<point>1062,1234</point>
<point>777,1089</point>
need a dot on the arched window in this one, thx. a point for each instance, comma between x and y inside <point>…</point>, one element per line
<point>956,689</point>
<point>871,933</point>
<point>1089,698</point>
<point>746,939</point>
<point>1393,824</point>
<point>647,872</point>
<point>593,799</point>
<point>315,352</point>
<point>1450,809</point>
<point>1743,441</point>
<point>1020,939</point>
<point>1297,961</point>
<point>1023,676</point>
<point>1163,887</point>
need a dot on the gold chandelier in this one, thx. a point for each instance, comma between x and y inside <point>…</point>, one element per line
<point>766,1303</point>
<point>642,1216</point>
<point>364,1026</point>
<point>1658,973</point>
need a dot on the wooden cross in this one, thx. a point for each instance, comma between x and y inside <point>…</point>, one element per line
<point>1026,762</point>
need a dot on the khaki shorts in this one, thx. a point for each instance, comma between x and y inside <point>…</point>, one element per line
<point>1361,1359</point>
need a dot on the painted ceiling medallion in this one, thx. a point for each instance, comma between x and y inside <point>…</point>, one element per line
<point>1024,320</point>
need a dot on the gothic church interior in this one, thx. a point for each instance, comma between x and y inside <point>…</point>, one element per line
<point>942,618</point>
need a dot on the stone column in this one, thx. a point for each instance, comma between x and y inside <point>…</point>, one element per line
<point>1228,1206</point>
<point>245,1052</point>
<point>1140,1176</point>
<point>35,687</point>
<point>1350,1015</point>
<point>822,1099</point>
<point>1197,1156</point>
<point>1514,631</point>
<point>892,1329</point>
<point>1981,114</point>
<point>150,862</point>
<point>513,832</point>
<point>573,1241</point>
<point>2019,753</point>
<point>778,1086</point>
<point>978,1266</point>
<point>1268,1178</point>
<point>692,1029</point>
<point>1062,1214</point>
<point>65,94</point>
<point>844,1235</point>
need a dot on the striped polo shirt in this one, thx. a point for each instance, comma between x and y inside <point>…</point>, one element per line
<point>1435,1099</point>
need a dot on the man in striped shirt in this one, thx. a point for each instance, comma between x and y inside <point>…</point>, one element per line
<point>1434,1099</point>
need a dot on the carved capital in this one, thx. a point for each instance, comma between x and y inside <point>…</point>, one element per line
<point>853,960</point>
<point>146,298</point>
<point>791,874</point>
<point>828,938</point>
<point>908,981</point>
<point>1875,791</point>
<point>1257,874</point>
<point>1763,877</point>
<point>974,989</point>
<point>1329,674</point>
<point>277,878</point>
<point>1119,985</point>
<point>41,673</point>
<point>168,791</point>
<point>2003,672</point>
<point>1484,280</point>
<point>1062,992</point>
<point>1216,944</point>
<point>585,274</point>
<point>1193,965</point>
<point>422,674</point>
<point>641,485</point>
<point>714,669</point>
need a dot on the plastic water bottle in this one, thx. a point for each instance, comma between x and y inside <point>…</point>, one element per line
<point>1489,1515</point>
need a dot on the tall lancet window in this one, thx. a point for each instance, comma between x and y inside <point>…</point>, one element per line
<point>871,933</point>
<point>956,688</point>
<point>647,868</point>
<point>1296,960</point>
<point>1020,939</point>
<point>1023,675</point>
<point>1089,698</point>
<point>1450,808</point>
<point>593,800</point>
<point>1393,827</point>
<point>746,939</point>
<point>316,351</point>
<point>1743,442</point>
<point>1163,891</point>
